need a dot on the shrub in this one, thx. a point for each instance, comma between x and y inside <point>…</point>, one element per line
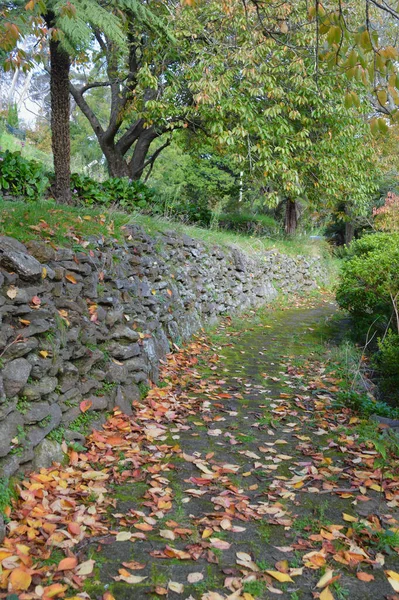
<point>118,191</point>
<point>22,177</point>
<point>370,279</point>
<point>386,362</point>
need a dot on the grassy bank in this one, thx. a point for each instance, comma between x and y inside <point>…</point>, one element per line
<point>68,225</point>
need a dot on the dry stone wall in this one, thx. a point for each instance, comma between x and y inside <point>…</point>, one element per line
<point>92,326</point>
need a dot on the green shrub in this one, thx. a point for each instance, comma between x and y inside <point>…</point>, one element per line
<point>386,362</point>
<point>22,177</point>
<point>116,191</point>
<point>370,275</point>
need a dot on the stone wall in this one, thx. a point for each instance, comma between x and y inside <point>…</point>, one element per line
<point>91,326</point>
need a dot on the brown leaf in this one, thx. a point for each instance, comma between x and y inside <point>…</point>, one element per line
<point>70,278</point>
<point>364,576</point>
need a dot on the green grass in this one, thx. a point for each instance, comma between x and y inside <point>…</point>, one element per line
<point>300,244</point>
<point>61,225</point>
<point>27,150</point>
<point>66,225</point>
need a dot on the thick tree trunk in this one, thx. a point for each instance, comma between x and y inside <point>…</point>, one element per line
<point>60,134</point>
<point>116,163</point>
<point>291,217</point>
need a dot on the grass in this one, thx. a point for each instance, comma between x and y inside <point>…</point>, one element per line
<point>60,225</point>
<point>27,150</point>
<point>68,225</point>
<point>300,244</point>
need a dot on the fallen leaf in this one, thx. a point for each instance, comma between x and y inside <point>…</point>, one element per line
<point>70,278</point>
<point>66,564</point>
<point>123,536</point>
<point>364,576</point>
<point>86,568</point>
<point>19,580</point>
<point>282,577</point>
<point>176,587</point>
<point>326,594</point>
<point>194,577</point>
<point>326,579</point>
<point>349,518</point>
<point>85,405</point>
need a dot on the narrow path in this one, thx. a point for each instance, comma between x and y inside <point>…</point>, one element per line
<point>237,478</point>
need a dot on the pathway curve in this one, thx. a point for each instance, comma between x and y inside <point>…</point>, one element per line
<point>237,478</point>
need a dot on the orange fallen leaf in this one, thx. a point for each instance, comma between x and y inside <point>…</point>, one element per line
<point>85,405</point>
<point>364,576</point>
<point>19,580</point>
<point>70,278</point>
<point>66,564</point>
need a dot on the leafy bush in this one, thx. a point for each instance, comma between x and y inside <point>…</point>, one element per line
<point>370,278</point>
<point>386,362</point>
<point>120,192</point>
<point>22,177</point>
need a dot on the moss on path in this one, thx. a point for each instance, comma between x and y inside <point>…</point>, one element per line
<point>250,484</point>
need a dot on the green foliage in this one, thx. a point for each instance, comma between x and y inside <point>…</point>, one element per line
<point>57,434</point>
<point>7,493</point>
<point>116,191</point>
<point>20,177</point>
<point>12,115</point>
<point>386,362</point>
<point>365,404</point>
<point>370,278</point>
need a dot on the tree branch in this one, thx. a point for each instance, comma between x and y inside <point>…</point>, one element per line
<point>130,136</point>
<point>86,110</point>
<point>153,158</point>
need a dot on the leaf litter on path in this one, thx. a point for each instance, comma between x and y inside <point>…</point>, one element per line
<point>283,463</point>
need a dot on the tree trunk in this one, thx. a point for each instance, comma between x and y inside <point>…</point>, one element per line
<point>291,217</point>
<point>138,161</point>
<point>60,107</point>
<point>349,232</point>
<point>116,163</point>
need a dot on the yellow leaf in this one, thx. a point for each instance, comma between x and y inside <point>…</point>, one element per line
<point>326,594</point>
<point>87,218</point>
<point>43,353</point>
<point>393,575</point>
<point>325,580</point>
<point>54,590</point>
<point>44,272</point>
<point>207,533</point>
<point>12,292</point>
<point>394,583</point>
<point>349,518</point>
<point>282,577</point>
<point>376,487</point>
